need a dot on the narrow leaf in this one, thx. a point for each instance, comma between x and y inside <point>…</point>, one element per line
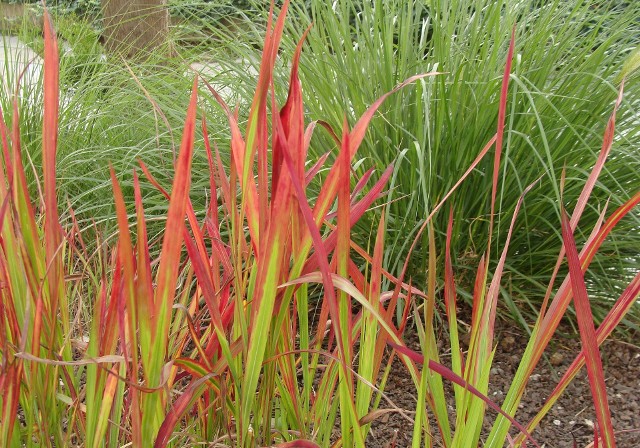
<point>588,336</point>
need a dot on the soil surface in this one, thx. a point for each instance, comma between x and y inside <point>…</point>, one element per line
<point>570,421</point>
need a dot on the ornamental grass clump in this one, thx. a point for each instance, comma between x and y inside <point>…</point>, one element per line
<point>212,339</point>
<point>474,366</point>
<point>215,341</point>
<point>564,80</point>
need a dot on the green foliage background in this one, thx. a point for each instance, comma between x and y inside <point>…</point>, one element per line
<point>203,9</point>
<point>566,71</point>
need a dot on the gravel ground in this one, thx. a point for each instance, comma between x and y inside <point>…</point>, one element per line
<point>572,417</point>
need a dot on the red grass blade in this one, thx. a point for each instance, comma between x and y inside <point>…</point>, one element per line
<point>356,212</point>
<point>551,319</point>
<point>180,406</point>
<point>6,152</point>
<point>238,152</point>
<point>205,283</point>
<point>311,173</point>
<point>26,216</point>
<point>125,247</point>
<point>619,310</point>
<point>292,119</point>
<point>130,348</point>
<point>52,228</point>
<point>563,296</point>
<point>502,111</point>
<point>298,444</point>
<point>172,242</point>
<point>323,264</point>
<point>143,280</point>
<point>607,143</point>
<point>588,335</point>
<point>10,369</point>
<point>10,387</point>
<point>213,188</point>
<point>144,287</point>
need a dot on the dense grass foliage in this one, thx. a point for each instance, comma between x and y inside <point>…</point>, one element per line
<point>111,113</point>
<point>206,11</point>
<point>565,78</point>
<point>206,332</point>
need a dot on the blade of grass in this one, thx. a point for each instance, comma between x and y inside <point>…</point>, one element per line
<point>622,306</point>
<point>128,318</point>
<point>588,336</point>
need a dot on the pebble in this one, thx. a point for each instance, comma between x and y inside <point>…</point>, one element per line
<point>508,343</point>
<point>556,359</point>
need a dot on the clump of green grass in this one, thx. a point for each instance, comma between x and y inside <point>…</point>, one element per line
<point>111,111</point>
<point>474,366</point>
<point>565,76</point>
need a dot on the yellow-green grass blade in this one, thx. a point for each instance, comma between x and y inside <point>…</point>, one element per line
<point>368,338</point>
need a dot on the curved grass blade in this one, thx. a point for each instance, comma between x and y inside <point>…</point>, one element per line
<point>588,336</point>
<point>611,321</point>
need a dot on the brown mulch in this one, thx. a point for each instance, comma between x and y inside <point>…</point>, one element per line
<point>571,419</point>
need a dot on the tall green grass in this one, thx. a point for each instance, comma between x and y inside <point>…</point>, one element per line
<point>566,70</point>
<point>111,111</point>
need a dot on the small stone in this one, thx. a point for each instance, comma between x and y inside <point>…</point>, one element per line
<point>557,422</point>
<point>508,343</point>
<point>556,359</point>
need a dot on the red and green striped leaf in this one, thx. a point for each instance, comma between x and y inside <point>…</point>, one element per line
<point>588,335</point>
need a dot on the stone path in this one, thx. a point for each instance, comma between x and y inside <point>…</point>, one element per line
<point>17,59</point>
<point>210,70</point>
